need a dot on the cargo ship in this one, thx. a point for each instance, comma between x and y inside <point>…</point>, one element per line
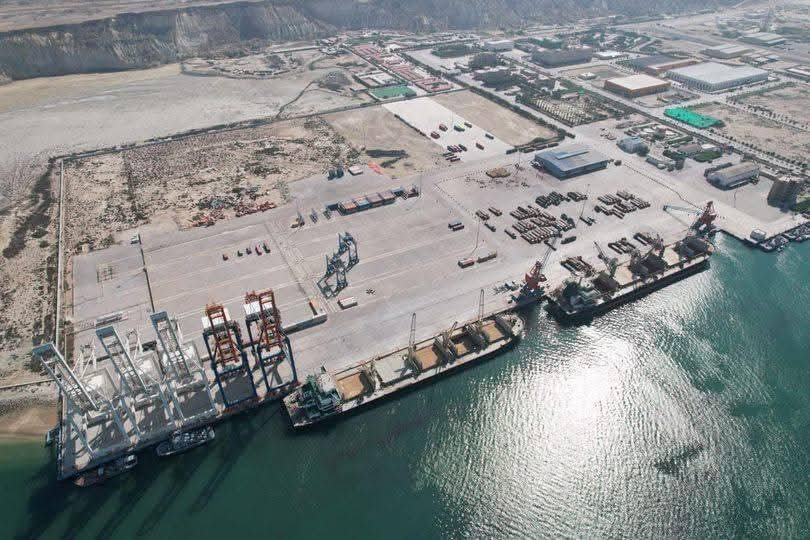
<point>580,299</point>
<point>328,395</point>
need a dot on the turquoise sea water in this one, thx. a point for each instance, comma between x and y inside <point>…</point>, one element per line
<point>685,414</point>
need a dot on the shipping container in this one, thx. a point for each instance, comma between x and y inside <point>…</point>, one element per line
<point>464,263</point>
<point>348,302</point>
<point>488,257</point>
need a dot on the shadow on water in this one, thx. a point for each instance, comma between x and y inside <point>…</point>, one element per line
<point>673,465</point>
<point>181,471</point>
<point>241,430</point>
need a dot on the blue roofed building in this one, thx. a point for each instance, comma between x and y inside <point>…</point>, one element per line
<point>570,160</point>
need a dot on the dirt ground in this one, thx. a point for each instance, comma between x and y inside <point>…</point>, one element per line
<point>189,179</point>
<point>791,101</point>
<point>376,129</point>
<point>766,134</point>
<point>501,122</point>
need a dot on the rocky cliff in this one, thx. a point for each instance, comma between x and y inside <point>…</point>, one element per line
<point>137,40</point>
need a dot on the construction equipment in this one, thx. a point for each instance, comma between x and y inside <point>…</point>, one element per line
<point>337,267</point>
<point>704,223</point>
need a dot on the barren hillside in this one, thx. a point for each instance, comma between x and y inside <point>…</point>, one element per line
<point>154,36</point>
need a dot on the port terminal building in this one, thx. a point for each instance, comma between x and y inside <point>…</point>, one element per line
<point>570,160</point>
<point>726,51</point>
<point>636,85</point>
<point>734,176</point>
<point>714,76</point>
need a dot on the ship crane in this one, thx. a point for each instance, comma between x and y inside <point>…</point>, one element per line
<point>534,276</point>
<point>704,223</point>
<point>610,262</point>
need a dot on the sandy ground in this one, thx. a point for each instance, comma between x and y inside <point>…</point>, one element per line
<point>27,414</point>
<point>50,116</point>
<point>186,178</point>
<point>792,101</point>
<point>375,128</point>
<point>767,134</point>
<point>501,122</point>
<point>46,117</point>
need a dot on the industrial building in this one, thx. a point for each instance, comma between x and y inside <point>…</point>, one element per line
<point>570,160</point>
<point>784,192</point>
<point>714,76</point>
<point>555,58</point>
<point>734,176</point>
<point>658,64</point>
<point>633,145</point>
<point>636,85</point>
<point>763,38</point>
<point>727,51</point>
<point>610,55</point>
<point>499,45</point>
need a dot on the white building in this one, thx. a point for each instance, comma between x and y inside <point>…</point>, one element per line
<point>714,76</point>
<point>499,45</point>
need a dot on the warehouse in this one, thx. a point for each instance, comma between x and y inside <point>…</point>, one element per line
<point>563,58</point>
<point>734,176</point>
<point>636,85</point>
<point>763,38</point>
<point>499,45</point>
<point>713,76</point>
<point>658,64</point>
<point>727,51</point>
<point>570,160</point>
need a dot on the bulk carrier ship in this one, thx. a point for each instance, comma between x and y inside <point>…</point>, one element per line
<point>580,299</point>
<point>328,395</point>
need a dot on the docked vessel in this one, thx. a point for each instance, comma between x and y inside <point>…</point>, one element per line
<point>327,395</point>
<point>104,472</point>
<point>580,299</point>
<point>184,441</point>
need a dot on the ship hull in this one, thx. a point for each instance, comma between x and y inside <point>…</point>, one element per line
<point>381,396</point>
<point>585,316</point>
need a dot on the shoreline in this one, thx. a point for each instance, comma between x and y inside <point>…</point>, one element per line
<point>26,418</point>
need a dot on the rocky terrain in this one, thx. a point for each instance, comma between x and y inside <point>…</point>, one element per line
<point>152,37</point>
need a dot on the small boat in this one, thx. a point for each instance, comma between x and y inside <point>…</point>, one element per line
<point>183,441</point>
<point>104,472</point>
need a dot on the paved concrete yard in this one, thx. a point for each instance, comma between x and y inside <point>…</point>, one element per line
<point>408,255</point>
<point>426,114</point>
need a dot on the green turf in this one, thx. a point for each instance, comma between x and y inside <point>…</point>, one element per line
<point>390,92</point>
<point>690,117</point>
